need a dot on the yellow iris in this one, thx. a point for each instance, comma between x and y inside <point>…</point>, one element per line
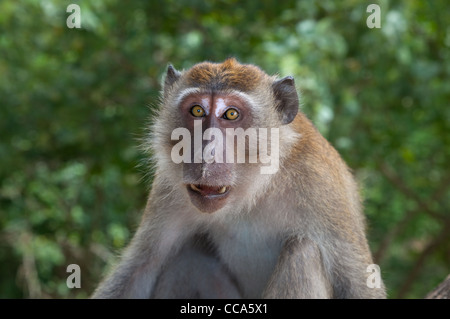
<point>197,111</point>
<point>231,114</point>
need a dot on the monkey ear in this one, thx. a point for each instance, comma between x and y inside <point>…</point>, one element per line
<point>172,76</point>
<point>286,98</point>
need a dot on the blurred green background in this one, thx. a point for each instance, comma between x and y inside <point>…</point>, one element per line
<point>75,102</point>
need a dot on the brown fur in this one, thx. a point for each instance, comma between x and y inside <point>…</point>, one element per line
<point>227,75</point>
<point>317,156</point>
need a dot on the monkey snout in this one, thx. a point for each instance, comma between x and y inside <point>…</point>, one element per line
<point>214,174</point>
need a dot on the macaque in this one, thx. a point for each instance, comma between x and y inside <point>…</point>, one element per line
<point>248,199</point>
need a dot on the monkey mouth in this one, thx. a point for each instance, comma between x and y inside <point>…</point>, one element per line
<point>208,199</point>
<point>210,192</point>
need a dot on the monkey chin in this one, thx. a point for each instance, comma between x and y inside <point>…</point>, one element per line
<point>208,199</point>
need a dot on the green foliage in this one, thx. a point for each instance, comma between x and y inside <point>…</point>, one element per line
<point>74,104</point>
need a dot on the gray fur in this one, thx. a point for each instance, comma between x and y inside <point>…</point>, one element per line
<point>299,233</point>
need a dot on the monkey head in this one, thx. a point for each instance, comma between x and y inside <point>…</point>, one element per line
<point>218,126</point>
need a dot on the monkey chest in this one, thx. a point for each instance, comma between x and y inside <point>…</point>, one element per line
<point>250,254</point>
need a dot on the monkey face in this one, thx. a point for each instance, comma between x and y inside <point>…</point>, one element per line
<point>211,168</point>
<point>211,134</point>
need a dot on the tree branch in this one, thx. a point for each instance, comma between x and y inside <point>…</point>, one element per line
<point>443,236</point>
<point>442,291</point>
<point>389,173</point>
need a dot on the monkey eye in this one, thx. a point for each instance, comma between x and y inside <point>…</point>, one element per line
<point>231,114</point>
<point>197,111</point>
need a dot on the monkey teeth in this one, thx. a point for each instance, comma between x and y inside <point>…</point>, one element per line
<point>222,190</point>
<point>208,190</point>
<point>195,188</point>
